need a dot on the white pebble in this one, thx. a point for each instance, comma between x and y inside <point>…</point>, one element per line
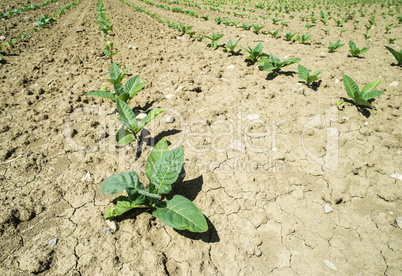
<point>112,224</point>
<point>86,177</point>
<point>230,67</point>
<point>53,241</point>
<point>336,81</point>
<point>398,221</point>
<point>168,119</point>
<point>225,80</point>
<point>397,176</point>
<point>330,265</point>
<point>327,209</point>
<point>2,37</point>
<point>393,84</point>
<point>258,252</point>
<point>141,116</point>
<point>366,123</point>
<point>170,96</point>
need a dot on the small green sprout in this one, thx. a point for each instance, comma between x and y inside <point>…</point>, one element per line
<point>275,33</point>
<point>334,46</point>
<point>214,40</point>
<point>274,64</point>
<point>230,46</point>
<point>109,50</point>
<point>396,54</point>
<point>356,51</point>
<point>255,53</point>
<point>303,38</point>
<point>305,74</point>
<point>289,36</point>
<point>257,28</point>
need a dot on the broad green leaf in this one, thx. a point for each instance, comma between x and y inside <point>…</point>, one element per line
<point>287,62</point>
<point>135,89</point>
<point>258,48</point>
<point>352,45</point>
<point>114,71</point>
<point>103,94</point>
<point>123,205</point>
<point>118,182</point>
<point>365,49</point>
<point>372,94</point>
<point>396,54</point>
<point>273,59</point>
<point>117,89</point>
<point>311,79</point>
<point>126,113</point>
<point>303,72</point>
<point>166,171</point>
<point>370,86</point>
<point>152,114</point>
<point>361,101</point>
<point>350,86</point>
<point>145,193</point>
<point>180,213</point>
<point>157,152</point>
<point>317,73</point>
<point>126,123</point>
<point>123,136</point>
<point>262,61</point>
<point>124,97</point>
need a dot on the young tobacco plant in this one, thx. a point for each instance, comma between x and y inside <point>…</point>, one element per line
<point>126,93</point>
<point>108,51</point>
<point>305,75</point>
<point>334,46</point>
<point>128,119</point>
<point>230,46</point>
<point>289,36</point>
<point>162,169</point>
<point>396,54</point>
<point>357,51</point>
<point>274,34</point>
<point>303,38</point>
<point>255,53</point>
<point>274,64</point>
<point>257,28</point>
<point>360,98</point>
<point>214,40</point>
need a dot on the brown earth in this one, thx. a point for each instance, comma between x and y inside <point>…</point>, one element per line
<point>263,154</point>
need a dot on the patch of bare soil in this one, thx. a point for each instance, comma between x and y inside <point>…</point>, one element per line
<point>289,184</point>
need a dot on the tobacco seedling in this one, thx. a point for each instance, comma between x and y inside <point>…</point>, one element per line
<point>308,26</point>
<point>257,28</point>
<point>325,31</point>
<point>128,119</point>
<point>392,40</point>
<point>214,40</point>
<point>274,64</point>
<point>342,30</point>
<point>388,28</point>
<point>44,20</point>
<point>162,169</point>
<point>185,30</point>
<point>274,34</point>
<point>356,51</point>
<point>126,93</point>
<point>109,50</point>
<point>289,36</point>
<point>230,46</point>
<point>255,53</point>
<point>245,26</point>
<point>396,54</point>
<point>275,20</point>
<point>334,46</point>
<point>360,98</point>
<point>303,38</point>
<point>366,36</point>
<point>305,75</point>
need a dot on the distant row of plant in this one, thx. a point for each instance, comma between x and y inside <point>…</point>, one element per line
<point>43,22</point>
<point>13,12</point>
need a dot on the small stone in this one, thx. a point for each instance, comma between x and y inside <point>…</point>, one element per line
<point>2,37</point>
<point>319,221</point>
<point>112,225</point>
<point>327,209</point>
<point>53,241</point>
<point>180,88</point>
<point>366,123</point>
<point>168,119</point>
<point>258,252</point>
<point>336,81</point>
<point>237,145</point>
<point>322,55</point>
<point>330,265</point>
<point>230,67</point>
<point>252,117</point>
<point>397,176</point>
<point>86,177</point>
<point>225,80</point>
<point>141,116</point>
<point>274,149</point>
<point>398,221</point>
<point>393,84</point>
<point>107,229</point>
<point>170,96</point>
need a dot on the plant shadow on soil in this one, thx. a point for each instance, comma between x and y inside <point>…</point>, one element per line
<point>363,110</point>
<point>272,75</point>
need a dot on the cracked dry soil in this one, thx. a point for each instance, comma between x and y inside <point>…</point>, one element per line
<point>263,198</point>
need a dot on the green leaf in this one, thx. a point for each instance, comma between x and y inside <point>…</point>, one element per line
<point>118,182</point>
<point>133,86</point>
<point>126,113</point>
<point>352,45</point>
<point>362,102</point>
<point>372,94</point>
<point>365,49</point>
<point>303,72</point>
<point>370,86</point>
<point>396,54</point>
<point>114,71</point>
<point>180,213</point>
<point>317,73</point>
<point>151,115</point>
<point>123,205</point>
<point>350,86</point>
<point>166,171</point>
<point>311,79</point>
<point>123,136</point>
<point>157,152</point>
<point>103,94</point>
